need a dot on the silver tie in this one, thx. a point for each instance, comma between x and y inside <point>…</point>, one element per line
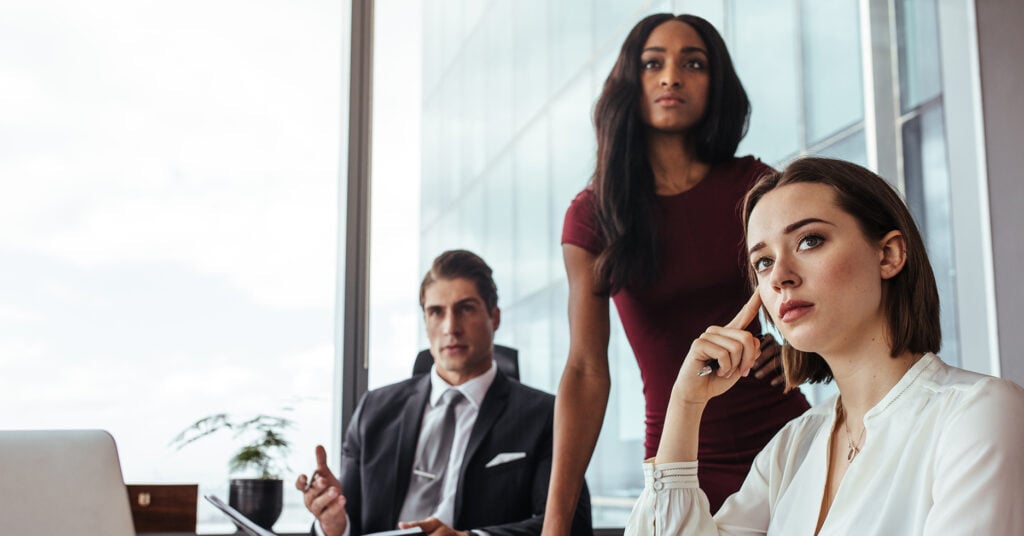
<point>432,460</point>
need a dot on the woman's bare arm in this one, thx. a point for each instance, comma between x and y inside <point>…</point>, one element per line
<point>582,392</point>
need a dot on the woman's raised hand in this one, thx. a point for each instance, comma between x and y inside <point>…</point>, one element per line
<point>734,348</point>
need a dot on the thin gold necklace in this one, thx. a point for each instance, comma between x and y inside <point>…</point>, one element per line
<point>854,447</point>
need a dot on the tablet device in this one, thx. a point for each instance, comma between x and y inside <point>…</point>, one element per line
<point>252,529</point>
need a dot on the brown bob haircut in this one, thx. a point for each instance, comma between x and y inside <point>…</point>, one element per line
<point>911,299</point>
<point>462,264</point>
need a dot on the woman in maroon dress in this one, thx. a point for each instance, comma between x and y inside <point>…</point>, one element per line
<point>658,231</point>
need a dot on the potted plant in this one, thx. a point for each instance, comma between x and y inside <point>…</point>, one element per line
<point>265,451</point>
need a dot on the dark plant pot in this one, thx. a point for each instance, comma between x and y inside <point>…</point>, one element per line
<point>259,500</point>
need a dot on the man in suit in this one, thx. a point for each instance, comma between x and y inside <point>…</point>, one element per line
<point>498,456</point>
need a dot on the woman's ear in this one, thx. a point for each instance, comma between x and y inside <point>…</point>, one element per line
<point>893,253</point>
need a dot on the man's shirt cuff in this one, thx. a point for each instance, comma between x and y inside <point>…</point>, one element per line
<point>320,531</point>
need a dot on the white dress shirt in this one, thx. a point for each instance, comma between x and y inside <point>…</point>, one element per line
<point>466,413</point>
<point>943,454</point>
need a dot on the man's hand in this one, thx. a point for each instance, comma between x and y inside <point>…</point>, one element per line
<point>323,496</point>
<point>769,365</point>
<point>432,527</point>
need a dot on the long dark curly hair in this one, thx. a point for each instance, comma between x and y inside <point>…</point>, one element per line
<point>623,180</point>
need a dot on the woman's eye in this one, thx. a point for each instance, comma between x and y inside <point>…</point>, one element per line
<point>810,242</point>
<point>696,65</point>
<point>762,264</point>
<point>649,64</point>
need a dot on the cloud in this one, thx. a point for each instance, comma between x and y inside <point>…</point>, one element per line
<point>145,133</point>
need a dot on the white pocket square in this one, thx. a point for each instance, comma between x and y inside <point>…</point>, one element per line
<point>505,457</point>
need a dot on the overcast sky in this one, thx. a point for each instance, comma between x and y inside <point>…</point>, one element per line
<point>168,220</point>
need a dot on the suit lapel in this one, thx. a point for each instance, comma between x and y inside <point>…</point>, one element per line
<point>493,406</point>
<point>408,434</point>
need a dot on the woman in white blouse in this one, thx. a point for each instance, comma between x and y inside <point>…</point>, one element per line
<point>910,446</point>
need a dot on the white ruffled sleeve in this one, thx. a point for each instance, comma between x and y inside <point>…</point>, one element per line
<point>671,503</point>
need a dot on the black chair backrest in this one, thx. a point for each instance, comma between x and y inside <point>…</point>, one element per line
<point>506,357</point>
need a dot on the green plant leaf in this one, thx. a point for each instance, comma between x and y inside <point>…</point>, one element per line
<point>265,447</point>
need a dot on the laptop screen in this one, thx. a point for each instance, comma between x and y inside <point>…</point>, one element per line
<point>62,482</point>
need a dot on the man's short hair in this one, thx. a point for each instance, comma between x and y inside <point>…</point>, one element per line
<point>462,264</point>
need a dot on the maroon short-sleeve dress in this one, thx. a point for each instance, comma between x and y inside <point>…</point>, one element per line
<point>701,282</point>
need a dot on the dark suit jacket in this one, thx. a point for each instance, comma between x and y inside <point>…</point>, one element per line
<point>506,499</point>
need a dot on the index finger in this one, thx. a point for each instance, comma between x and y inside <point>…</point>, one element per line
<point>321,460</point>
<point>748,313</point>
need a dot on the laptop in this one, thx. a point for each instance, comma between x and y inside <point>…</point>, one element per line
<point>62,482</point>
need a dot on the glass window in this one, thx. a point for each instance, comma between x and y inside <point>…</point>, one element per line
<point>473,220</point>
<point>453,28</point>
<point>851,148</point>
<point>614,18</point>
<point>533,267</point>
<point>499,245</point>
<point>927,181</point>
<point>531,330</point>
<point>571,44</point>
<point>764,46</point>
<point>614,484</point>
<point>475,103</point>
<point>925,162</point>
<point>432,187</point>
<point>831,67</point>
<point>711,10</point>
<point>600,69</point>
<point>499,79</point>
<point>917,36</point>
<point>573,152</point>
<point>530,58</point>
<point>168,216</point>
<point>432,61</point>
<point>399,200</point>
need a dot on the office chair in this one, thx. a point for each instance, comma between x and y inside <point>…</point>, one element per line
<point>507,359</point>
